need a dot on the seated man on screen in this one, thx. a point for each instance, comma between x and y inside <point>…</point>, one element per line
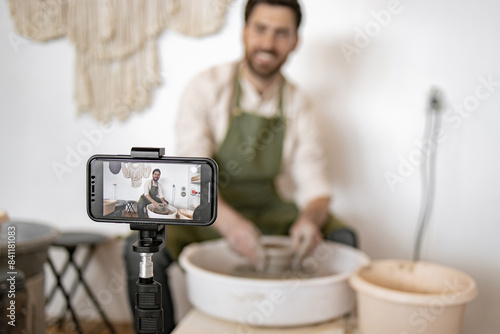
<point>153,194</point>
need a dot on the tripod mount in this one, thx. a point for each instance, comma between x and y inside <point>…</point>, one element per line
<point>148,311</point>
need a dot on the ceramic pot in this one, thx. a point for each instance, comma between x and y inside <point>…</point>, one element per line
<point>278,255</point>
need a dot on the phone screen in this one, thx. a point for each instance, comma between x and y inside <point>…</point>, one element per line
<point>162,191</point>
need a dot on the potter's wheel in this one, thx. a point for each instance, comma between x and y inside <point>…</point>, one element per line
<point>224,285</point>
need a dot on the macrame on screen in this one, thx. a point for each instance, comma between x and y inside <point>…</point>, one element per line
<point>116,65</point>
<point>136,172</point>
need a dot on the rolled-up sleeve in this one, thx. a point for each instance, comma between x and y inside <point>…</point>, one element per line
<point>308,163</point>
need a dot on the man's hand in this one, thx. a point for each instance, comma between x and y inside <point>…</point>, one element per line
<point>241,234</point>
<point>244,239</point>
<point>305,235</point>
<point>306,230</point>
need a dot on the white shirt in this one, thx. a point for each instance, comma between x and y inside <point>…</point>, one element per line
<point>203,119</point>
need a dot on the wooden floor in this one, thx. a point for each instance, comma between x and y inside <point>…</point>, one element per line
<point>90,328</point>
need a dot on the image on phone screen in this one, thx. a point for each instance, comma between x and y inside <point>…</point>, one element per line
<point>159,190</point>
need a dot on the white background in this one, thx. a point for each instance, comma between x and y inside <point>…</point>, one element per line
<point>375,102</point>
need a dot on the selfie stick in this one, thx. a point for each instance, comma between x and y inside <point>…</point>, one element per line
<point>148,305</point>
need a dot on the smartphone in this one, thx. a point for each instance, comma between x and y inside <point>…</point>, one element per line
<point>164,190</point>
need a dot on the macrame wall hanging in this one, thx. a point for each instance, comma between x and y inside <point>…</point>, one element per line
<point>116,65</point>
<point>136,172</point>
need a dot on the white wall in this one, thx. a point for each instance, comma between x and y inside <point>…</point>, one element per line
<point>376,103</point>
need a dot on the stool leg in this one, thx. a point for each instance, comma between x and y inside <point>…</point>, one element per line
<point>129,208</point>
<point>91,296</point>
<point>54,288</point>
<point>66,296</point>
<point>82,268</point>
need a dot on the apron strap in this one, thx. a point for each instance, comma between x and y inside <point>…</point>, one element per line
<point>236,109</point>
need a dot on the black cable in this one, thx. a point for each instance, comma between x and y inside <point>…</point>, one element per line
<point>428,167</point>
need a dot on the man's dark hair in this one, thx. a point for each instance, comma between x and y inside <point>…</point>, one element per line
<point>156,170</point>
<point>292,4</point>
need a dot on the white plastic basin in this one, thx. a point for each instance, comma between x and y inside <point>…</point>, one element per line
<point>108,206</point>
<point>171,209</point>
<point>405,297</point>
<point>294,299</point>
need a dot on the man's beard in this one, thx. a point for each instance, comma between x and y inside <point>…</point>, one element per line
<point>265,72</point>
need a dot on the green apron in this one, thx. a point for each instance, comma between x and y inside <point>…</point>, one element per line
<point>153,192</point>
<point>249,158</point>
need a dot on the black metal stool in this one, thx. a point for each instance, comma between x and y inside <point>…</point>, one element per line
<point>70,242</point>
<point>129,208</point>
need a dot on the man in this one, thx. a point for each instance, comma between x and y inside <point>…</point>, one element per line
<point>153,194</point>
<point>263,133</point>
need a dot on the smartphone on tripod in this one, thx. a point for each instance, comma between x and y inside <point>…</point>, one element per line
<point>159,190</point>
